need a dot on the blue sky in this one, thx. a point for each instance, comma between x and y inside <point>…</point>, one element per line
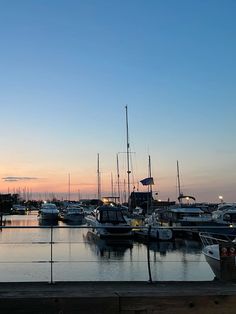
<point>70,67</point>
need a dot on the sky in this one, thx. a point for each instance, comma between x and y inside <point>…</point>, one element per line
<point>69,68</point>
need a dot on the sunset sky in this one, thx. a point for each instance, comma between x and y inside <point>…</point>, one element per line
<point>69,68</point>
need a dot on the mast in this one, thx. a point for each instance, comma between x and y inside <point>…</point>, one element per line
<point>149,172</point>
<point>118,177</point>
<point>98,178</point>
<point>178,181</point>
<point>68,186</point>
<point>124,192</point>
<point>128,155</point>
<point>150,185</point>
<point>112,189</point>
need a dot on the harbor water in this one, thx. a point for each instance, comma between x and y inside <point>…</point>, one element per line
<point>75,254</point>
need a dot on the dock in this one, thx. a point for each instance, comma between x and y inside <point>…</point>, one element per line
<point>206,297</point>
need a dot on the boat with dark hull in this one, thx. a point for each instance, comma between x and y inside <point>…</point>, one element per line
<point>48,212</point>
<point>18,209</point>
<point>73,213</point>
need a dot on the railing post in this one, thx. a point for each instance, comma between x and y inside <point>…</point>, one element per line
<point>148,254</point>
<point>1,220</point>
<point>51,255</point>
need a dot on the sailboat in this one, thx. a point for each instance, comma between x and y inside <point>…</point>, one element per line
<point>133,196</point>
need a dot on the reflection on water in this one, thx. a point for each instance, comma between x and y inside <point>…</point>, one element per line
<point>43,222</point>
<point>162,247</point>
<point>79,255</point>
<point>21,220</point>
<point>107,248</point>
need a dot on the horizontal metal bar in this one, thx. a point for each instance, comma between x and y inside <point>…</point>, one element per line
<point>79,262</point>
<point>45,242</point>
<point>69,227</point>
<point>110,227</point>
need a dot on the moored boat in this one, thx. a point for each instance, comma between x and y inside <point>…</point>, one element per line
<point>48,211</point>
<point>153,230</point>
<point>109,222</point>
<point>72,213</point>
<point>220,253</point>
<point>18,209</point>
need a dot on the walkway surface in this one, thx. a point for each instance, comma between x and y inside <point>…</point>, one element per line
<point>119,297</point>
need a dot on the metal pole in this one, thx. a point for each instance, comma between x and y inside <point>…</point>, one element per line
<point>148,254</point>
<point>118,177</point>
<point>128,157</point>
<point>149,210</point>
<point>179,190</point>
<point>1,220</point>
<point>51,257</point>
<point>98,178</point>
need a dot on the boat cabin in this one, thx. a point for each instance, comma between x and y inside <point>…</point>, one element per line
<point>108,214</point>
<point>178,214</point>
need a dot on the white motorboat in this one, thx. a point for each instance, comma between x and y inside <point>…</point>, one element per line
<point>189,221</point>
<point>48,211</point>
<point>108,222</point>
<point>220,253</point>
<point>153,229</point>
<point>72,213</point>
<point>185,216</point>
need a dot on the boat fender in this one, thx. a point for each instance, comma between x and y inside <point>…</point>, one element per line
<point>232,251</point>
<point>224,251</point>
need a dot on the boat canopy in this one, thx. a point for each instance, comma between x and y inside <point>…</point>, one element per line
<point>186,197</point>
<point>111,214</point>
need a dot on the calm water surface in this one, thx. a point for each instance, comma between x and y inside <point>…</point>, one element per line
<point>79,256</point>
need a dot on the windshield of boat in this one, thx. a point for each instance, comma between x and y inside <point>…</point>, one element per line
<point>48,205</point>
<point>113,216</point>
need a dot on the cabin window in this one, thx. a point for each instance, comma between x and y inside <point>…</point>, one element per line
<point>230,217</point>
<point>112,216</point>
<point>104,216</point>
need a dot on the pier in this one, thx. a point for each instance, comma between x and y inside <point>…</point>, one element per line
<point>118,297</point>
<point>59,269</point>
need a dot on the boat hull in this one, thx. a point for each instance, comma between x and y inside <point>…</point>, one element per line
<point>224,268</point>
<point>109,233</point>
<point>158,234</point>
<point>73,218</point>
<point>221,257</point>
<point>48,216</point>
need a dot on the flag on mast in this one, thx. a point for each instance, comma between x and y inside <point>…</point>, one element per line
<point>147,181</point>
